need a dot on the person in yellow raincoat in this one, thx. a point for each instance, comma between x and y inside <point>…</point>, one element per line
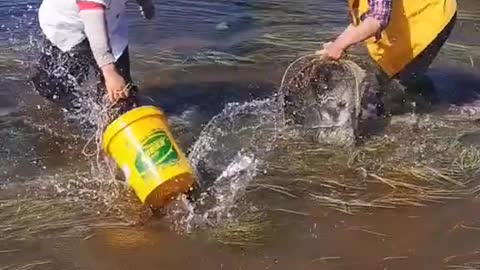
<point>403,37</point>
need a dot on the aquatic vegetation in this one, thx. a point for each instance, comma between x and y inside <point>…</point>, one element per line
<point>468,55</point>
<point>256,176</point>
<point>247,230</point>
<point>381,173</point>
<point>70,207</point>
<point>25,219</point>
<point>468,15</point>
<point>466,261</point>
<point>27,266</point>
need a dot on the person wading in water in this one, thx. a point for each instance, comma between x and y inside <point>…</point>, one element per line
<point>403,37</point>
<point>85,35</point>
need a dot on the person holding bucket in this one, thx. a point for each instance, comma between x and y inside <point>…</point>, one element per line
<point>81,36</point>
<point>403,37</point>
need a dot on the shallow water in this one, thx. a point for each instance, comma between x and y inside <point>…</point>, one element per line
<point>267,207</point>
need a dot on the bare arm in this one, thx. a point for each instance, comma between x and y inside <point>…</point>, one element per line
<point>353,35</point>
<point>376,19</point>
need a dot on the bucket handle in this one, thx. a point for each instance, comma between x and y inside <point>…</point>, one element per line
<point>97,137</point>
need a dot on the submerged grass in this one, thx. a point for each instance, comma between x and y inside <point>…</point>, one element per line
<point>250,229</point>
<point>468,261</point>
<point>466,266</point>
<point>462,54</point>
<point>469,15</point>
<point>23,219</point>
<point>384,173</point>
<point>71,206</point>
<point>28,266</point>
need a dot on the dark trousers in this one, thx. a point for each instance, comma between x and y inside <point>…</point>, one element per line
<point>390,92</point>
<point>416,69</point>
<point>73,80</point>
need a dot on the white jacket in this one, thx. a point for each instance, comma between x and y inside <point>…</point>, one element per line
<point>60,22</point>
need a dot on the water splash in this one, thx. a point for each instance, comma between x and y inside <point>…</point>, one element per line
<point>231,185</point>
<point>218,205</point>
<point>226,158</point>
<point>249,127</point>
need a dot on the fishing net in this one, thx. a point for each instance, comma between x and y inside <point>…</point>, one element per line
<point>323,98</point>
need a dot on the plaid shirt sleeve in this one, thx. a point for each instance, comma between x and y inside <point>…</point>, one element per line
<point>380,10</point>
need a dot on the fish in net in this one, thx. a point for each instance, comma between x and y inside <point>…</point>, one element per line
<point>323,99</point>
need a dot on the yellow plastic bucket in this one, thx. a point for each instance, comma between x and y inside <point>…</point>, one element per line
<point>143,147</point>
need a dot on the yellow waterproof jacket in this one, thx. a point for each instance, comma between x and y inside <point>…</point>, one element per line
<point>413,25</point>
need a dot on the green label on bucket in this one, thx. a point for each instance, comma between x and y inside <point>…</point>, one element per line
<point>157,150</point>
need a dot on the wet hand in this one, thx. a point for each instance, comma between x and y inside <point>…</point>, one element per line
<point>331,50</point>
<point>148,9</point>
<point>115,84</point>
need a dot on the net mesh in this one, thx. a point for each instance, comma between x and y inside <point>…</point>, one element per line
<point>323,98</point>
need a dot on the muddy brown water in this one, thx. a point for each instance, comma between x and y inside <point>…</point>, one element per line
<point>196,57</point>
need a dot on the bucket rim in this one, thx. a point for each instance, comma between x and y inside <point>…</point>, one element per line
<point>124,120</point>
